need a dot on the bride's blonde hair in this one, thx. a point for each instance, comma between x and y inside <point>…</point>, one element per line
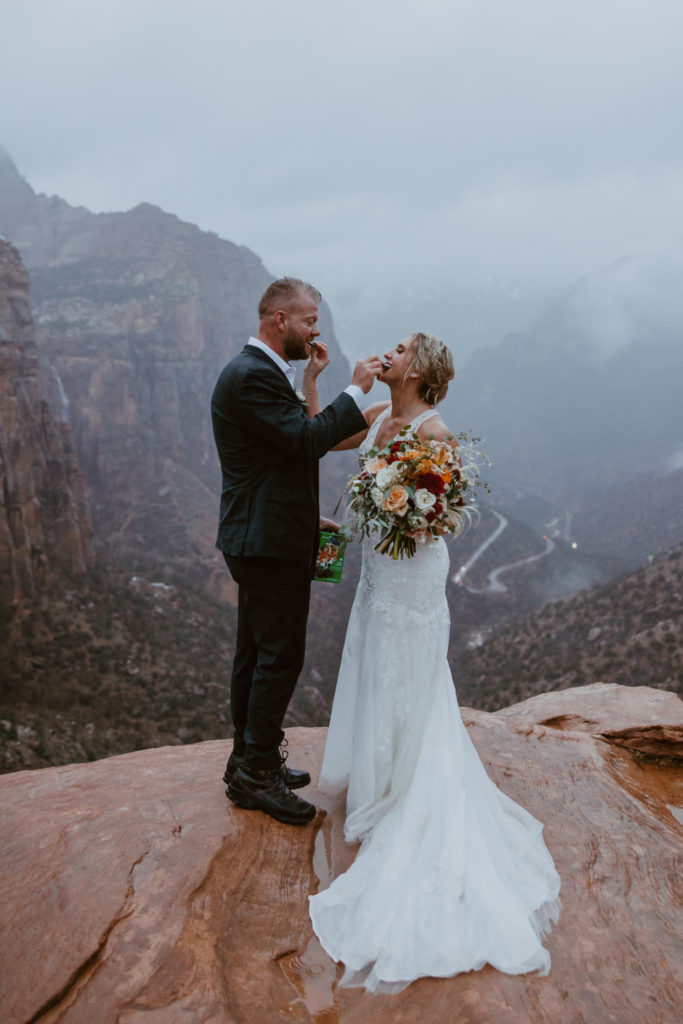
<point>433,362</point>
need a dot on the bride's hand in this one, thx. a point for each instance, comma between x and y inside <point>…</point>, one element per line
<point>320,357</point>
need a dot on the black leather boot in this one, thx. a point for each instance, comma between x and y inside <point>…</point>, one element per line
<point>294,778</point>
<point>263,789</point>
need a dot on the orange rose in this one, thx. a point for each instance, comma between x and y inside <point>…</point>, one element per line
<point>396,500</point>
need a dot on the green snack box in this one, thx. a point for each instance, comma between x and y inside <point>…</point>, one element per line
<point>330,557</point>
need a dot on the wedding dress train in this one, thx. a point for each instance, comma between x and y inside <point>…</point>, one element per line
<point>451,874</point>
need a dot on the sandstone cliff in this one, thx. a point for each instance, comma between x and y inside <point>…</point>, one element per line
<point>44,526</point>
<point>138,312</point>
<point>134,893</point>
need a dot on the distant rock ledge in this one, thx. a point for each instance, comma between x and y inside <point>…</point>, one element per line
<point>134,892</point>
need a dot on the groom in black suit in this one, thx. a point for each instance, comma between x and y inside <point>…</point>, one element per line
<point>268,530</point>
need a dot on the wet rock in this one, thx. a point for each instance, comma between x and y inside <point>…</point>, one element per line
<point>607,710</point>
<point>135,893</point>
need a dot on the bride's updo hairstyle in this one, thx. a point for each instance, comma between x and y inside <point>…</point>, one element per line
<point>433,362</point>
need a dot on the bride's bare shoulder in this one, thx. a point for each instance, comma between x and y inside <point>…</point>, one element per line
<point>373,411</point>
<point>436,428</point>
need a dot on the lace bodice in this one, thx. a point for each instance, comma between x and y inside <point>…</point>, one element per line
<point>369,441</point>
<point>386,582</point>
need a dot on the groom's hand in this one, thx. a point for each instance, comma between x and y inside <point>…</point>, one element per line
<point>329,524</point>
<point>365,372</point>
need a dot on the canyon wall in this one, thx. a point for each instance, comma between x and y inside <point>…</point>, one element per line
<point>44,525</point>
<point>137,313</point>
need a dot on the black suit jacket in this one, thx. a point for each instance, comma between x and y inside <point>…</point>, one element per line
<point>269,451</point>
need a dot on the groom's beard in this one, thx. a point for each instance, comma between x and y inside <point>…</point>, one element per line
<point>295,345</point>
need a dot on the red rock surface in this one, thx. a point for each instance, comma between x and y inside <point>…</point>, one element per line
<point>134,892</point>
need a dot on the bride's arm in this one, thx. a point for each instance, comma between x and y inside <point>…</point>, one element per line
<point>316,364</point>
<point>320,357</point>
<point>356,440</point>
<point>437,430</point>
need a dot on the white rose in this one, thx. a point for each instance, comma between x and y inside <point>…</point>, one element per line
<point>424,499</point>
<point>377,496</point>
<point>386,477</point>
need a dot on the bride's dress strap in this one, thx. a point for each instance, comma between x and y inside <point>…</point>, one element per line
<point>374,429</point>
<point>369,441</point>
<point>419,420</point>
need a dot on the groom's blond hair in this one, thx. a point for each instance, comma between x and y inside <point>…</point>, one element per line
<point>282,293</point>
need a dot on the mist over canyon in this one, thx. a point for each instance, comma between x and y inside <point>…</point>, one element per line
<point>117,622</point>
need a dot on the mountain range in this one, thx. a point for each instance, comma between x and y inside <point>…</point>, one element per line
<point>628,631</point>
<point>136,313</point>
<point>116,623</point>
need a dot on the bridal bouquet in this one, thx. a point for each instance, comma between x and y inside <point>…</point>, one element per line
<point>413,491</point>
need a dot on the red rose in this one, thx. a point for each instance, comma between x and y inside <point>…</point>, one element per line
<point>432,482</point>
<point>393,452</point>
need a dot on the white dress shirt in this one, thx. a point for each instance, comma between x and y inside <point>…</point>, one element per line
<point>289,370</point>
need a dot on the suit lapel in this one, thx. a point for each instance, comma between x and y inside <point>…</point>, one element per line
<point>251,352</point>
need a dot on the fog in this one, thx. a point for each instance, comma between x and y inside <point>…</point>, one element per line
<point>635,299</point>
<point>456,160</point>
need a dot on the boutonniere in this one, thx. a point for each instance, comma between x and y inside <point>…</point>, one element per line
<point>301,396</point>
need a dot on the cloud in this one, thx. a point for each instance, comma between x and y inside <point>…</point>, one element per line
<point>371,147</point>
<point>635,299</point>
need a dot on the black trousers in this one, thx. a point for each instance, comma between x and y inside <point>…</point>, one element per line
<point>272,612</point>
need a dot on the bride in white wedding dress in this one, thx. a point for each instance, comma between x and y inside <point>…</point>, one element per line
<point>451,874</point>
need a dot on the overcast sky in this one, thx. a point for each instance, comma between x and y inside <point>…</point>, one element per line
<point>370,146</point>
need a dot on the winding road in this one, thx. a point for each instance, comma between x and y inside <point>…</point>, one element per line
<point>502,523</point>
<point>559,527</point>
